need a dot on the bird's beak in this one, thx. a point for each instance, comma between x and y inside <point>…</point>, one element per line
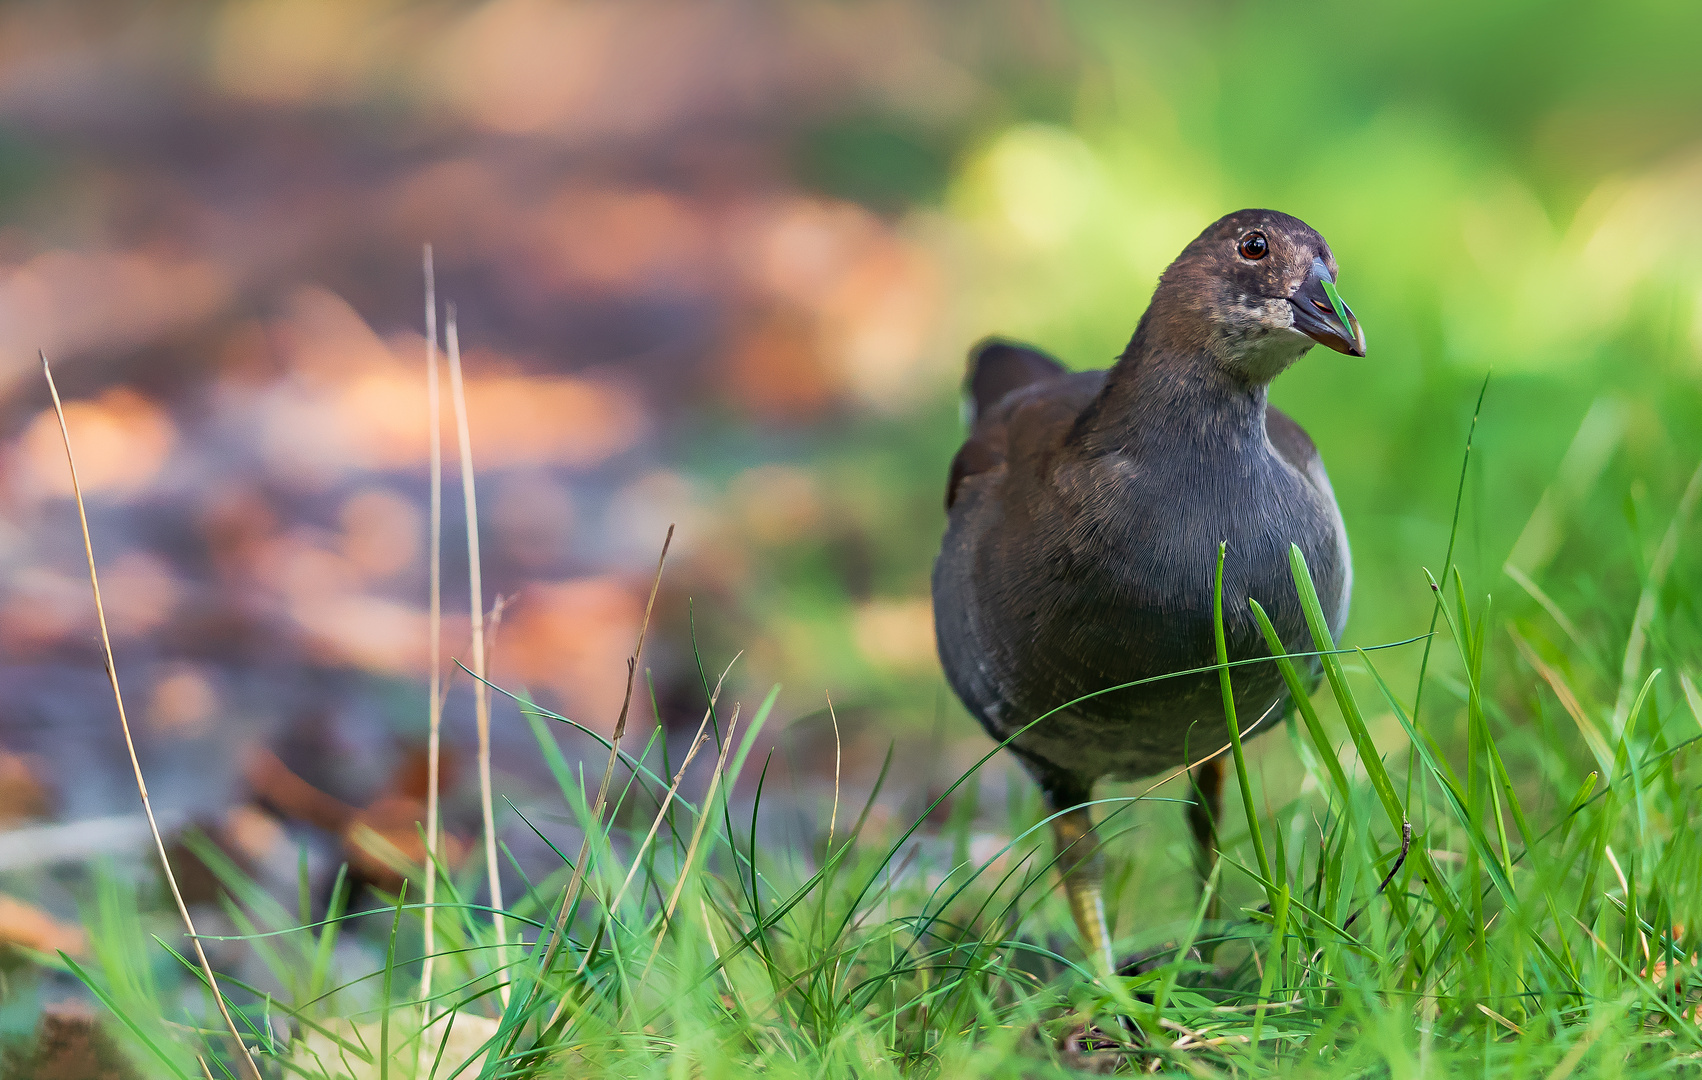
<point>1322,315</point>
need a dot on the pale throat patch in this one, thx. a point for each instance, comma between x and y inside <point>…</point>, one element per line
<point>1270,343</point>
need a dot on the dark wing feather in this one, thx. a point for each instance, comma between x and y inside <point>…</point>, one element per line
<point>1296,447</point>
<point>996,368</point>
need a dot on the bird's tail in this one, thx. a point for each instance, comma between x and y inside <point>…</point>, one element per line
<point>998,366</point>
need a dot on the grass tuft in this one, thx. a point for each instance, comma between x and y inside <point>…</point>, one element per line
<point>1477,892</point>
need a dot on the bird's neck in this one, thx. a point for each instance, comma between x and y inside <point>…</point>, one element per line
<point>1160,396</point>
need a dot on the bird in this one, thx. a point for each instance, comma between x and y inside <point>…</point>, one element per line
<point>1084,514</point>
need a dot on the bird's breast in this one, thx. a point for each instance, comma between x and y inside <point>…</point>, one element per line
<point>1110,579</point>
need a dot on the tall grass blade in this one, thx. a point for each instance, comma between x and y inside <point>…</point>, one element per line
<point>1228,691</point>
<point>125,1018</point>
<point>384,994</point>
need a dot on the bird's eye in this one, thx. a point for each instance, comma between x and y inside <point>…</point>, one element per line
<point>1254,246</point>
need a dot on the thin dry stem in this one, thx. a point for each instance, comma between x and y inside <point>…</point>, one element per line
<point>667,802</point>
<point>696,839</point>
<point>129,743</point>
<point>572,894</point>
<point>1192,765</point>
<point>493,626</point>
<point>434,629</point>
<point>1632,667</point>
<point>715,951</point>
<point>656,824</point>
<point>481,689</point>
<point>833,817</point>
<point>1568,701</point>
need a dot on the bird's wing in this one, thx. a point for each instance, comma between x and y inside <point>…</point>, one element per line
<point>1296,447</point>
<point>1034,412</point>
<point>997,368</point>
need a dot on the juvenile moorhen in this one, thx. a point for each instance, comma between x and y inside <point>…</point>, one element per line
<point>1084,516</point>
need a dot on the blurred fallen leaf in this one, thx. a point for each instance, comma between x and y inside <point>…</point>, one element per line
<point>23,924</point>
<point>69,1044</point>
<point>22,796</point>
<point>381,841</point>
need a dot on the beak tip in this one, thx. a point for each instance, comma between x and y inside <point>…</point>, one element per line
<point>1321,315</point>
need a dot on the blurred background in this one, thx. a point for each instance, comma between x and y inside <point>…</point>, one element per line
<point>717,264</point>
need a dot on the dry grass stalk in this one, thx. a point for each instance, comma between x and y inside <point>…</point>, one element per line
<point>1632,667</point>
<point>696,839</point>
<point>578,879</point>
<point>481,689</point>
<point>1568,701</point>
<point>667,801</point>
<point>1192,765</point>
<point>833,817</point>
<point>715,951</point>
<point>129,743</point>
<point>434,629</point>
<point>493,625</point>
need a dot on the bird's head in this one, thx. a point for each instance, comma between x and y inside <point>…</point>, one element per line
<point>1255,291</point>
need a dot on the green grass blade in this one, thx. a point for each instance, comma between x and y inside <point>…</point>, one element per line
<point>1303,704</point>
<point>1325,643</point>
<point>384,995</point>
<point>1228,691</point>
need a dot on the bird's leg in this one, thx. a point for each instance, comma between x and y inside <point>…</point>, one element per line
<point>1203,815</point>
<point>1082,866</point>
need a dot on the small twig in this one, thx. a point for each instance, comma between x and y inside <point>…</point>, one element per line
<point>1257,1006</point>
<point>1197,1038</point>
<point>124,723</point>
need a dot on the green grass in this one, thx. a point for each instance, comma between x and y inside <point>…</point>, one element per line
<point>1537,923</point>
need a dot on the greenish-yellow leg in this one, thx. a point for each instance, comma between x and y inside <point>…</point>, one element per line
<point>1082,866</point>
